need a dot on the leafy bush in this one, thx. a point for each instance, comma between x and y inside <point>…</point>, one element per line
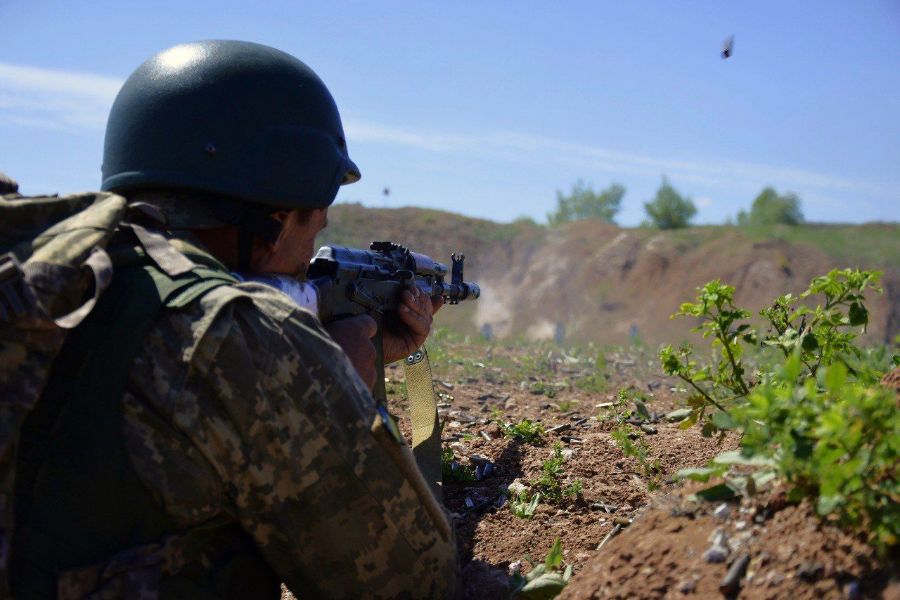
<point>772,208</point>
<point>813,415</point>
<point>584,203</point>
<point>669,209</point>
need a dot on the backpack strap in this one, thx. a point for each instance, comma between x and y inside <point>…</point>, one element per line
<point>73,473</point>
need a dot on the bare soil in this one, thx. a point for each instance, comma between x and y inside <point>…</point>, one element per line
<point>664,531</point>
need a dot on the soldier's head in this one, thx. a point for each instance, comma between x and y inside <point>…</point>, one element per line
<point>233,134</point>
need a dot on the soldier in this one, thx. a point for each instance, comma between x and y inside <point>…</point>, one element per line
<point>246,449</point>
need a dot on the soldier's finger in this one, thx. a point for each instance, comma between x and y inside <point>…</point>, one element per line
<point>418,323</point>
<point>418,304</point>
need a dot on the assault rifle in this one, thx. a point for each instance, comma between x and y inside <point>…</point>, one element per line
<point>352,281</point>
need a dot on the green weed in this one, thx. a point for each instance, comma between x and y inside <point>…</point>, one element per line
<point>522,506</point>
<point>815,416</point>
<point>525,430</point>
<point>631,443</point>
<point>543,581</point>
<point>451,468</point>
<point>550,484</point>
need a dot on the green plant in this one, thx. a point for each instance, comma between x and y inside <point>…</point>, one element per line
<point>453,469</point>
<point>522,506</point>
<point>595,383</point>
<point>525,430</point>
<point>566,405</point>
<point>544,580</point>
<point>821,336</point>
<point>584,203</point>
<point>541,388</point>
<point>550,483</point>
<point>669,209</point>
<point>815,418</point>
<point>772,208</point>
<point>631,443</point>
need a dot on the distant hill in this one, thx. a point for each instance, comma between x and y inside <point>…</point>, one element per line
<point>601,283</point>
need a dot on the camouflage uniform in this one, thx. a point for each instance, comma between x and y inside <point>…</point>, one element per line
<point>241,409</point>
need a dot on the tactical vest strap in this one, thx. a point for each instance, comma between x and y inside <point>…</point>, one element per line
<point>78,500</point>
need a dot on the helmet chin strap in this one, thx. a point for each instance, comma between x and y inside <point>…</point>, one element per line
<point>251,220</point>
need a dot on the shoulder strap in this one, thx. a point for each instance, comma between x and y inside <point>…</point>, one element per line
<point>73,466</point>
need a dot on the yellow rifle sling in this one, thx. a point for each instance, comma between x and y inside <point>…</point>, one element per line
<point>426,433</point>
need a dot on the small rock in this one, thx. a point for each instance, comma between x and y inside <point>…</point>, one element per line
<point>678,415</point>
<point>648,429</point>
<point>488,469</point>
<point>501,502</point>
<point>687,585</point>
<point>516,488</point>
<point>722,512</point>
<point>515,567</point>
<point>477,459</point>
<point>810,570</point>
<point>774,578</point>
<point>715,554</point>
<point>852,591</point>
<point>740,525</point>
<point>470,504</point>
<point>719,537</point>
<point>509,404</point>
<point>567,453</point>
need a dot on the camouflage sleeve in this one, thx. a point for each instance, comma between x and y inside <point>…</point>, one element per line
<point>334,502</point>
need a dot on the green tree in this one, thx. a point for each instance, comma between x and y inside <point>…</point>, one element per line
<point>584,203</point>
<point>772,208</point>
<point>669,209</point>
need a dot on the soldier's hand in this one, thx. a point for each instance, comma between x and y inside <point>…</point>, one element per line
<point>354,335</point>
<point>416,312</point>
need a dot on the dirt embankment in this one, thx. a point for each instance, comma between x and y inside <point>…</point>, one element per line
<point>590,281</point>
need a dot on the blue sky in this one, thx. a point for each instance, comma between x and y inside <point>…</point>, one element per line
<point>488,108</point>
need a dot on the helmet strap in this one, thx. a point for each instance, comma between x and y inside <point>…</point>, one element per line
<point>245,249</point>
<point>251,220</point>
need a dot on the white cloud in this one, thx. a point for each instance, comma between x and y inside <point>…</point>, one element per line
<point>520,147</point>
<point>50,99</point>
<point>44,98</point>
<point>703,202</point>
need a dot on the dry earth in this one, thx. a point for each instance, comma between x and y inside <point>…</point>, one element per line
<point>790,552</point>
<point>661,533</point>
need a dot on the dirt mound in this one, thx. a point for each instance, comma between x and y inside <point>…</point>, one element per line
<point>590,281</point>
<point>766,549</point>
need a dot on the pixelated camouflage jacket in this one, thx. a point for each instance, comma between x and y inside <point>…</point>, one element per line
<point>242,408</point>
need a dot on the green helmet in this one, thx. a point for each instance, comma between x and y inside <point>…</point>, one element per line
<point>226,117</point>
